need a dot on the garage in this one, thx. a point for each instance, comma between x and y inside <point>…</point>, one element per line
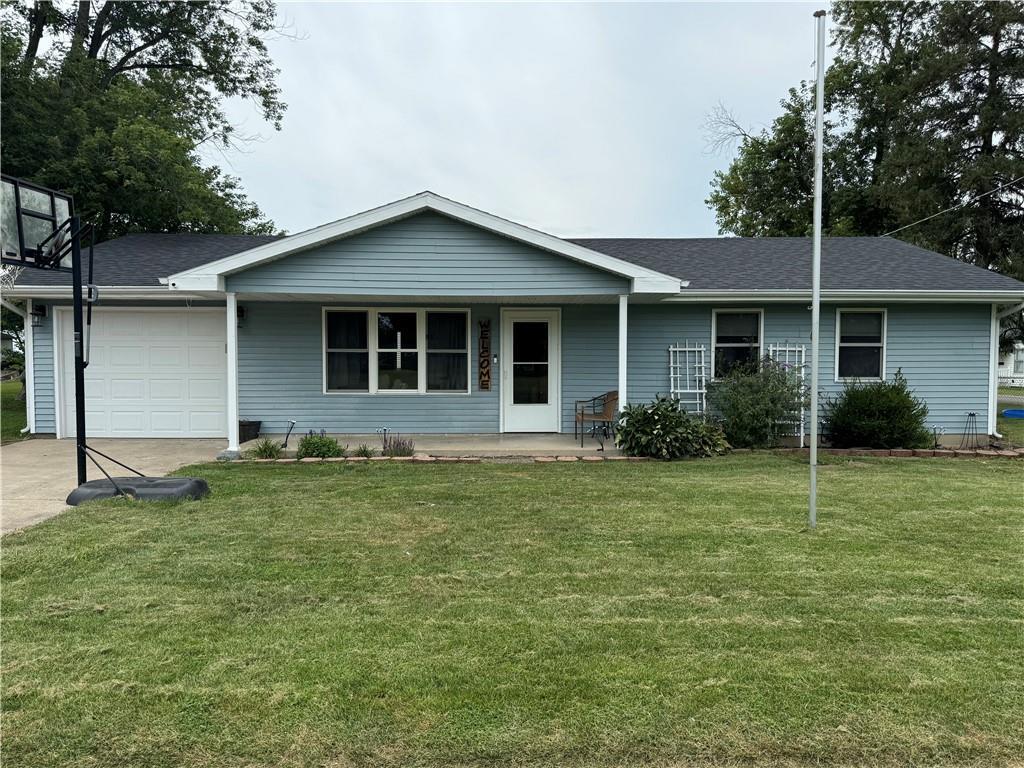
<point>152,373</point>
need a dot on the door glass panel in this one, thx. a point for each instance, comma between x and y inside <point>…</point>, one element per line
<point>530,342</point>
<point>529,383</point>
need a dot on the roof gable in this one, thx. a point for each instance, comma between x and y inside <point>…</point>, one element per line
<point>211,276</point>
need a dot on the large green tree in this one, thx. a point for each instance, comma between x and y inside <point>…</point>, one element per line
<point>116,103</point>
<point>925,112</point>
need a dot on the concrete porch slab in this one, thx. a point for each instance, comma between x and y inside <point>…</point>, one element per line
<point>485,446</point>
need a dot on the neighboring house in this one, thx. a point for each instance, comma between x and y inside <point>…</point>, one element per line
<point>1011,367</point>
<point>426,315</point>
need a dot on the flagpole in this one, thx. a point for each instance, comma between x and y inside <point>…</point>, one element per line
<point>819,124</point>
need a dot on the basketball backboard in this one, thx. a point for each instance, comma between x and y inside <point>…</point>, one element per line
<point>33,224</point>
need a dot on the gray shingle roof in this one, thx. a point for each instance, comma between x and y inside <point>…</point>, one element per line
<point>781,263</point>
<point>719,263</point>
<point>142,259</point>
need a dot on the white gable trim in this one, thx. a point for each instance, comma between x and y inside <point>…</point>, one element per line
<point>210,277</point>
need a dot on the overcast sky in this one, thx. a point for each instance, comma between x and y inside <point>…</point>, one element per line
<point>577,119</point>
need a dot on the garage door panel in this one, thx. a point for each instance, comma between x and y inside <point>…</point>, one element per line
<point>205,356</point>
<point>165,356</point>
<point>166,389</point>
<point>207,422</point>
<point>159,374</point>
<point>168,422</point>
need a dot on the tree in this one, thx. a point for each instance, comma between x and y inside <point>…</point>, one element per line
<point>926,112</point>
<point>112,102</point>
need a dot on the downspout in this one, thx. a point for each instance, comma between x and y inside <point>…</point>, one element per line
<point>994,365</point>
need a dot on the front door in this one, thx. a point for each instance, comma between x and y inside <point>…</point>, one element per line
<point>530,370</point>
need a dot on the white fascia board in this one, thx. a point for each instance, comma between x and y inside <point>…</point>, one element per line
<point>106,292</point>
<point>203,277</point>
<point>690,296</point>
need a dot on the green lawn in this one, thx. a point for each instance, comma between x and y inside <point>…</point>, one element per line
<point>517,615</point>
<point>1019,391</point>
<point>12,412</point>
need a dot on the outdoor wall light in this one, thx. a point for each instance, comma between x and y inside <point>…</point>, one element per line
<point>38,315</point>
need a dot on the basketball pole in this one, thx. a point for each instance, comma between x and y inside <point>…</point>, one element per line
<point>819,126</point>
<point>76,293</point>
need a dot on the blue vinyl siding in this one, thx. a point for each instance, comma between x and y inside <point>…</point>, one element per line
<point>44,399</point>
<point>942,349</point>
<point>427,255</point>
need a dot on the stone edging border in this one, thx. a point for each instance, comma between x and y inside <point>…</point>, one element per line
<point>903,453</point>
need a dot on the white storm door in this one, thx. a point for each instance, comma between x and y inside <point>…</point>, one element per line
<point>151,373</point>
<point>530,370</point>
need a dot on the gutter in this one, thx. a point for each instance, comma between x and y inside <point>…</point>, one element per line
<point>697,296</point>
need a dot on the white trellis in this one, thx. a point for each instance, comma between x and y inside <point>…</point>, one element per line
<point>793,356</point>
<point>688,375</point>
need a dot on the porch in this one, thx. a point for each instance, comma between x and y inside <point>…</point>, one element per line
<point>478,445</point>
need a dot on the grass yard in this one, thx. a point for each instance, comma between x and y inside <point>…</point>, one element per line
<point>12,412</point>
<point>499,615</point>
<point>1018,391</point>
<point>1011,429</point>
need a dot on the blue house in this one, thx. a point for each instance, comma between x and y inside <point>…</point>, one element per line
<point>429,316</point>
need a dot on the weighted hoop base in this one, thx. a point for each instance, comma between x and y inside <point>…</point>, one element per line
<point>141,488</point>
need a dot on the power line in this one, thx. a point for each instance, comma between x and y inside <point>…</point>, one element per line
<point>957,206</point>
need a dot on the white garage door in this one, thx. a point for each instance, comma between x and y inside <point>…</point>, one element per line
<point>152,373</point>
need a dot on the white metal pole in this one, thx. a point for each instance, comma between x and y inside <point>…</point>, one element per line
<point>819,126</point>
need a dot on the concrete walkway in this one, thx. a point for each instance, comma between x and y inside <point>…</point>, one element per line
<point>37,475</point>
<point>491,445</point>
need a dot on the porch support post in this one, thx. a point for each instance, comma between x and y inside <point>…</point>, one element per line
<point>993,374</point>
<point>232,365</point>
<point>623,336</point>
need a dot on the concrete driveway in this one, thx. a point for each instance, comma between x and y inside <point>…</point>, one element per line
<point>37,475</point>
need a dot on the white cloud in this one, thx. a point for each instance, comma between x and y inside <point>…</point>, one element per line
<point>577,119</point>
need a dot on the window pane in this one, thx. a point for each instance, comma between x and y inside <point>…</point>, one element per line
<point>446,330</point>
<point>860,328</point>
<point>346,330</point>
<point>348,371</point>
<point>34,200</point>
<point>397,370</point>
<point>530,342</point>
<point>396,330</point>
<point>728,358</point>
<point>63,211</point>
<point>529,383</point>
<point>447,372</point>
<point>1018,363</point>
<point>736,327</point>
<point>860,362</point>
<point>9,220</point>
<point>35,231</point>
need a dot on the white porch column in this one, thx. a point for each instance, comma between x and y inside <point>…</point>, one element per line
<point>993,373</point>
<point>30,370</point>
<point>623,336</point>
<point>232,364</point>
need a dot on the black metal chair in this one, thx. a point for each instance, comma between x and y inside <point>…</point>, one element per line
<point>599,412</point>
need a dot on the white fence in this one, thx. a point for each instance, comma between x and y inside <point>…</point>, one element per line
<point>793,356</point>
<point>688,375</point>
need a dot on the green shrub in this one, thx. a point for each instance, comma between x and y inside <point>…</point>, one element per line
<point>265,449</point>
<point>663,430</point>
<point>319,446</point>
<point>365,451</point>
<point>759,404</point>
<point>880,414</point>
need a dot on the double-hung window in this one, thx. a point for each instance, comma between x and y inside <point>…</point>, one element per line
<point>737,339</point>
<point>396,350</point>
<point>860,344</point>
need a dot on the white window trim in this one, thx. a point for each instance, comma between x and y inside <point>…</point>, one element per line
<point>840,311</point>
<point>735,311</point>
<point>420,350</point>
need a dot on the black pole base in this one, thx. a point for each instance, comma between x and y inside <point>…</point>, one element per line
<point>141,489</point>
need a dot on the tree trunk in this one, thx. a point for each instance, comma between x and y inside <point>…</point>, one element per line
<point>36,26</point>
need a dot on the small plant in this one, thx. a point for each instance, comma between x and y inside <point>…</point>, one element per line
<point>396,445</point>
<point>319,446</point>
<point>663,430</point>
<point>759,404</point>
<point>880,414</point>
<point>365,451</point>
<point>265,448</point>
